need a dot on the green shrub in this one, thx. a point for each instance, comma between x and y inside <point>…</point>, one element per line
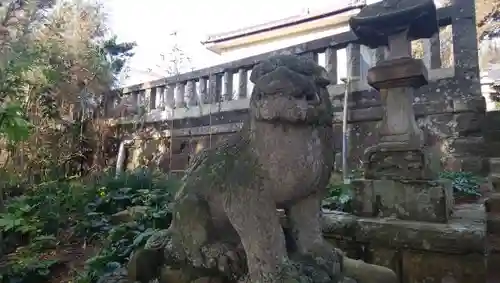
<point>72,209</point>
<point>464,183</point>
<point>143,188</point>
<point>339,195</point>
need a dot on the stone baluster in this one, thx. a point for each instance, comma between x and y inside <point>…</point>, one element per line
<point>141,102</point>
<point>179,95</point>
<point>214,88</point>
<point>250,84</point>
<point>135,99</point>
<point>191,94</point>
<point>170,97</point>
<point>380,54</point>
<point>331,63</point>
<point>146,94</point>
<point>242,83</point>
<point>228,85</point>
<point>464,34</point>
<point>204,91</point>
<point>160,94</point>
<point>432,52</point>
<point>353,55</point>
<point>354,65</point>
<point>151,98</point>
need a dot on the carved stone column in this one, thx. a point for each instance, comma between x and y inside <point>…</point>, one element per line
<point>402,181</point>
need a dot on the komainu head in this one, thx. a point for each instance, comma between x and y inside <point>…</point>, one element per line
<point>288,88</point>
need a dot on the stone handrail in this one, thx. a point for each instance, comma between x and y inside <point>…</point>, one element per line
<point>212,89</point>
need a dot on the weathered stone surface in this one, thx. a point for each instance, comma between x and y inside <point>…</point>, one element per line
<point>475,164</point>
<point>349,247</point>
<point>387,257</point>
<point>402,72</point>
<point>385,163</point>
<point>406,200</point>
<point>492,205</point>
<point>170,275</point>
<point>438,129</point>
<point>451,124</point>
<point>420,267</point>
<point>492,270</point>
<point>384,241</point>
<point>208,280</point>
<point>376,22</point>
<point>466,145</point>
<point>457,238</point>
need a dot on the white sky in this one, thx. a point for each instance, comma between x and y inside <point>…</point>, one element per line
<point>149,23</point>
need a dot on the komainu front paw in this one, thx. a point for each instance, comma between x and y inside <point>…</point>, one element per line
<point>228,259</point>
<point>302,270</point>
<point>327,258</point>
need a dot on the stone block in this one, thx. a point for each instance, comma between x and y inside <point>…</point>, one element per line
<point>492,206</point>
<point>449,125</point>
<point>401,72</point>
<point>407,200</point>
<point>440,268</point>
<point>494,178</point>
<point>390,258</point>
<point>492,270</point>
<point>470,163</point>
<point>467,145</point>
<point>494,164</point>
<point>492,135</point>
<point>387,162</point>
<point>465,236</point>
<point>349,247</point>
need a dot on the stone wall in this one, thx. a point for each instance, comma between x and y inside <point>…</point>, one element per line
<point>418,252</point>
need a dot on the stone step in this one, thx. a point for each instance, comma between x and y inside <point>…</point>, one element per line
<point>467,145</point>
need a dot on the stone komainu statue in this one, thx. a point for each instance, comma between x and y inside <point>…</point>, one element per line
<point>225,222</point>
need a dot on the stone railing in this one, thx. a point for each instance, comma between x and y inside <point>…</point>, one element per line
<point>226,87</point>
<point>449,109</point>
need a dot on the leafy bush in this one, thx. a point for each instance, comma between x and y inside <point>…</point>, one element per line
<point>339,195</point>
<point>464,183</point>
<point>70,210</point>
<point>142,189</point>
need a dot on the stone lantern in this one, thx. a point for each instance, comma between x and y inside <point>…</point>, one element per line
<point>400,177</point>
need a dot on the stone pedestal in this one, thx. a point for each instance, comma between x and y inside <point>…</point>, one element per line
<point>407,200</point>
